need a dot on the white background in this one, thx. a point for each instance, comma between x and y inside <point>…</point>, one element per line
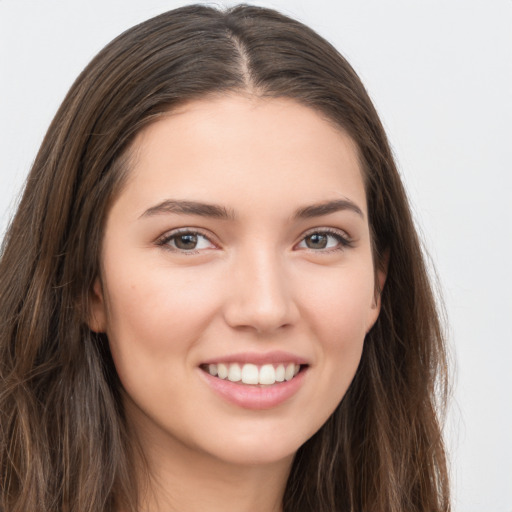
<point>440,74</point>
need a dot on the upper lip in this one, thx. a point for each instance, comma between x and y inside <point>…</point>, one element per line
<point>258,358</point>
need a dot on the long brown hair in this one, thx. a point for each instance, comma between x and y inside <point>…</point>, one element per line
<point>64,444</point>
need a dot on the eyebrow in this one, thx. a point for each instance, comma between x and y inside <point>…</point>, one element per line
<point>220,212</point>
<point>326,208</point>
<point>189,208</point>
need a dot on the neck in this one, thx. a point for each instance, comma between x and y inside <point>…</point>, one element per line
<point>214,487</point>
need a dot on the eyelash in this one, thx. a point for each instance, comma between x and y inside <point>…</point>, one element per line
<point>343,240</point>
<point>165,240</point>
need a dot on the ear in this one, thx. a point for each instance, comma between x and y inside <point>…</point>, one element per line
<point>97,320</point>
<point>380,281</point>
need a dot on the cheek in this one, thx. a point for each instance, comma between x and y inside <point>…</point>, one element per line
<point>339,311</point>
<point>156,318</point>
<point>155,313</point>
<point>342,332</point>
<point>340,304</point>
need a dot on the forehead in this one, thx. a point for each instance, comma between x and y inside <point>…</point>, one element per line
<point>244,150</point>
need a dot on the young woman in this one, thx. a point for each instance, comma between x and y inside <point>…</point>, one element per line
<point>212,294</point>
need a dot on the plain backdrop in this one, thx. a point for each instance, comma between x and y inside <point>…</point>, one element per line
<point>440,74</point>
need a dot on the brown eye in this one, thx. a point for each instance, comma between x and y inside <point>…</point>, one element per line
<point>316,241</point>
<point>185,242</point>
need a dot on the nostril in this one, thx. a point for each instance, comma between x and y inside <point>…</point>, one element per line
<point>260,319</point>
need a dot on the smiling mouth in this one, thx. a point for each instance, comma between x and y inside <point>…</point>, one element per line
<point>252,374</point>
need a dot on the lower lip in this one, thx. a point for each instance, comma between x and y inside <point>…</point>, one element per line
<point>255,397</point>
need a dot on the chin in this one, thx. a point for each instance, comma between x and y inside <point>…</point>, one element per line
<point>259,445</point>
<point>259,453</point>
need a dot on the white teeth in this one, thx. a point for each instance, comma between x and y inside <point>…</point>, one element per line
<point>235,373</point>
<point>250,374</point>
<point>280,373</point>
<point>222,370</point>
<point>290,370</point>
<point>266,374</point>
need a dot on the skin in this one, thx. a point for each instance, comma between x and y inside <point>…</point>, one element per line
<point>252,284</point>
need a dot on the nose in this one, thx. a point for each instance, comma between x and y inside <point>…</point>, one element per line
<point>260,296</point>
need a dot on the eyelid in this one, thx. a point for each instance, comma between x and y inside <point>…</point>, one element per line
<point>345,241</point>
<point>163,240</point>
<point>342,236</point>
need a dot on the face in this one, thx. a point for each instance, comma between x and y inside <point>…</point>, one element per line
<point>237,278</point>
